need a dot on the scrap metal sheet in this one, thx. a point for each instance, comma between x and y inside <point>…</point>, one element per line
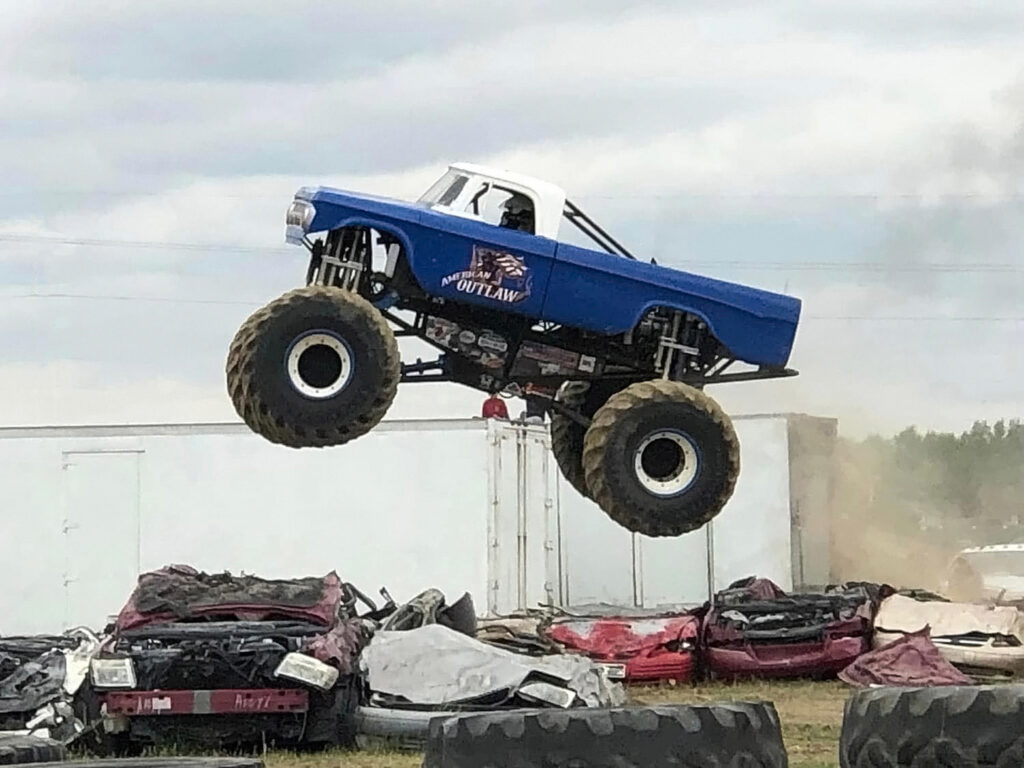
<point>435,665</point>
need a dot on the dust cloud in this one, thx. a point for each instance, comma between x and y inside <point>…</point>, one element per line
<point>877,534</point>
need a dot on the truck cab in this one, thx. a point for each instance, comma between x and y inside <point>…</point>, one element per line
<point>495,197</point>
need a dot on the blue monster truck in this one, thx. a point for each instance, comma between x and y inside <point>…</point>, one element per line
<point>616,350</point>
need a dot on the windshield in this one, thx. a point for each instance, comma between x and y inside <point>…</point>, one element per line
<point>445,190</point>
<point>1007,563</point>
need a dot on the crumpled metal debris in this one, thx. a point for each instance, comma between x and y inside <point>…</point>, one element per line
<point>521,633</point>
<point>340,645</point>
<point>429,607</point>
<point>39,677</point>
<point>434,666</point>
<point>913,660</point>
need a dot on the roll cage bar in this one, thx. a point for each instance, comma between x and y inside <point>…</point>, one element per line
<point>591,229</point>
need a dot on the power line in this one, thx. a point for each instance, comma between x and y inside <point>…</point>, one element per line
<point>258,303</point>
<point>868,266</point>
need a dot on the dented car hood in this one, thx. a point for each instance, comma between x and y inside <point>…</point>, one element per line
<point>180,592</point>
<point>625,638</point>
<point>903,614</point>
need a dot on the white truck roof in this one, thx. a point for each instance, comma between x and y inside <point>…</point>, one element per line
<point>548,198</point>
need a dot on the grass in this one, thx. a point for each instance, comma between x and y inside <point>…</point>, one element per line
<point>811,714</point>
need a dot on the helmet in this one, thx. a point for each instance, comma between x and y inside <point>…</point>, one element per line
<point>518,212</point>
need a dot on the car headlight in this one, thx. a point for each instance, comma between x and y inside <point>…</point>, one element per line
<point>305,669</point>
<point>112,673</point>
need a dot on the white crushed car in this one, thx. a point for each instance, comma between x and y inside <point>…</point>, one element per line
<point>985,642</point>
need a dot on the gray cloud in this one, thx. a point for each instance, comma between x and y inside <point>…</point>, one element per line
<point>194,121</point>
<point>194,41</point>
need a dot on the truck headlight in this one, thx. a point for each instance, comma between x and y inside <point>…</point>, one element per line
<point>112,673</point>
<point>298,219</point>
<point>305,669</point>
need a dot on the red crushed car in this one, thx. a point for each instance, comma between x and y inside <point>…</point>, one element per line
<point>633,648</point>
<point>222,659</point>
<point>754,629</point>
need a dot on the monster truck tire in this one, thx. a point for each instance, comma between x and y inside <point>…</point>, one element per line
<point>317,367</point>
<point>661,458</point>
<point>567,436</point>
<point>743,734</point>
<point>962,726</point>
<point>21,750</point>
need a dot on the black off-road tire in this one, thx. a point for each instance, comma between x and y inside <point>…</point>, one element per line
<point>567,435</point>
<point>22,750</point>
<point>742,734</point>
<point>616,435</point>
<point>259,384</point>
<point>962,726</point>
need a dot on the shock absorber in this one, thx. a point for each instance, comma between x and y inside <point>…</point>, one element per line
<point>343,261</point>
<point>667,360</point>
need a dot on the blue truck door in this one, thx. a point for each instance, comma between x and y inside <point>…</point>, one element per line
<point>478,263</point>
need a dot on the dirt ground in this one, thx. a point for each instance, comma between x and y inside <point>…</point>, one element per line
<point>811,714</point>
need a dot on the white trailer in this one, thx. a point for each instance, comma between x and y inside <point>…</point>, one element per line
<point>460,504</point>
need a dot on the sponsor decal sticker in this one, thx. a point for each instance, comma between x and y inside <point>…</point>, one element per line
<point>493,274</point>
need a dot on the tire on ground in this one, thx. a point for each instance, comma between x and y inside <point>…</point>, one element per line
<point>740,734</point>
<point>964,726</point>
<point>22,750</point>
<point>317,367</point>
<point>399,728</point>
<point>661,458</point>
<point>567,435</point>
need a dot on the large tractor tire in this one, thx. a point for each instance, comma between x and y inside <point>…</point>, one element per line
<point>666,736</point>
<point>958,725</point>
<point>317,367</point>
<point>567,435</point>
<point>26,750</point>
<point>661,458</point>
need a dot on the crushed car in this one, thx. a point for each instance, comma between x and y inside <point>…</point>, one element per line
<point>39,678</point>
<point>435,666</point>
<point>632,645</point>
<point>754,629</point>
<point>429,660</point>
<point>427,654</point>
<point>983,641</point>
<point>988,574</point>
<point>228,661</point>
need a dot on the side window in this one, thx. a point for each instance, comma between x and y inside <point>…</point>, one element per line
<point>503,207</point>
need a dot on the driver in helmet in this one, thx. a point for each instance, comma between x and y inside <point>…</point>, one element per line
<point>517,213</point>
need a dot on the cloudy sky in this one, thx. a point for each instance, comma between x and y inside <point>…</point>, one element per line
<point>865,156</point>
